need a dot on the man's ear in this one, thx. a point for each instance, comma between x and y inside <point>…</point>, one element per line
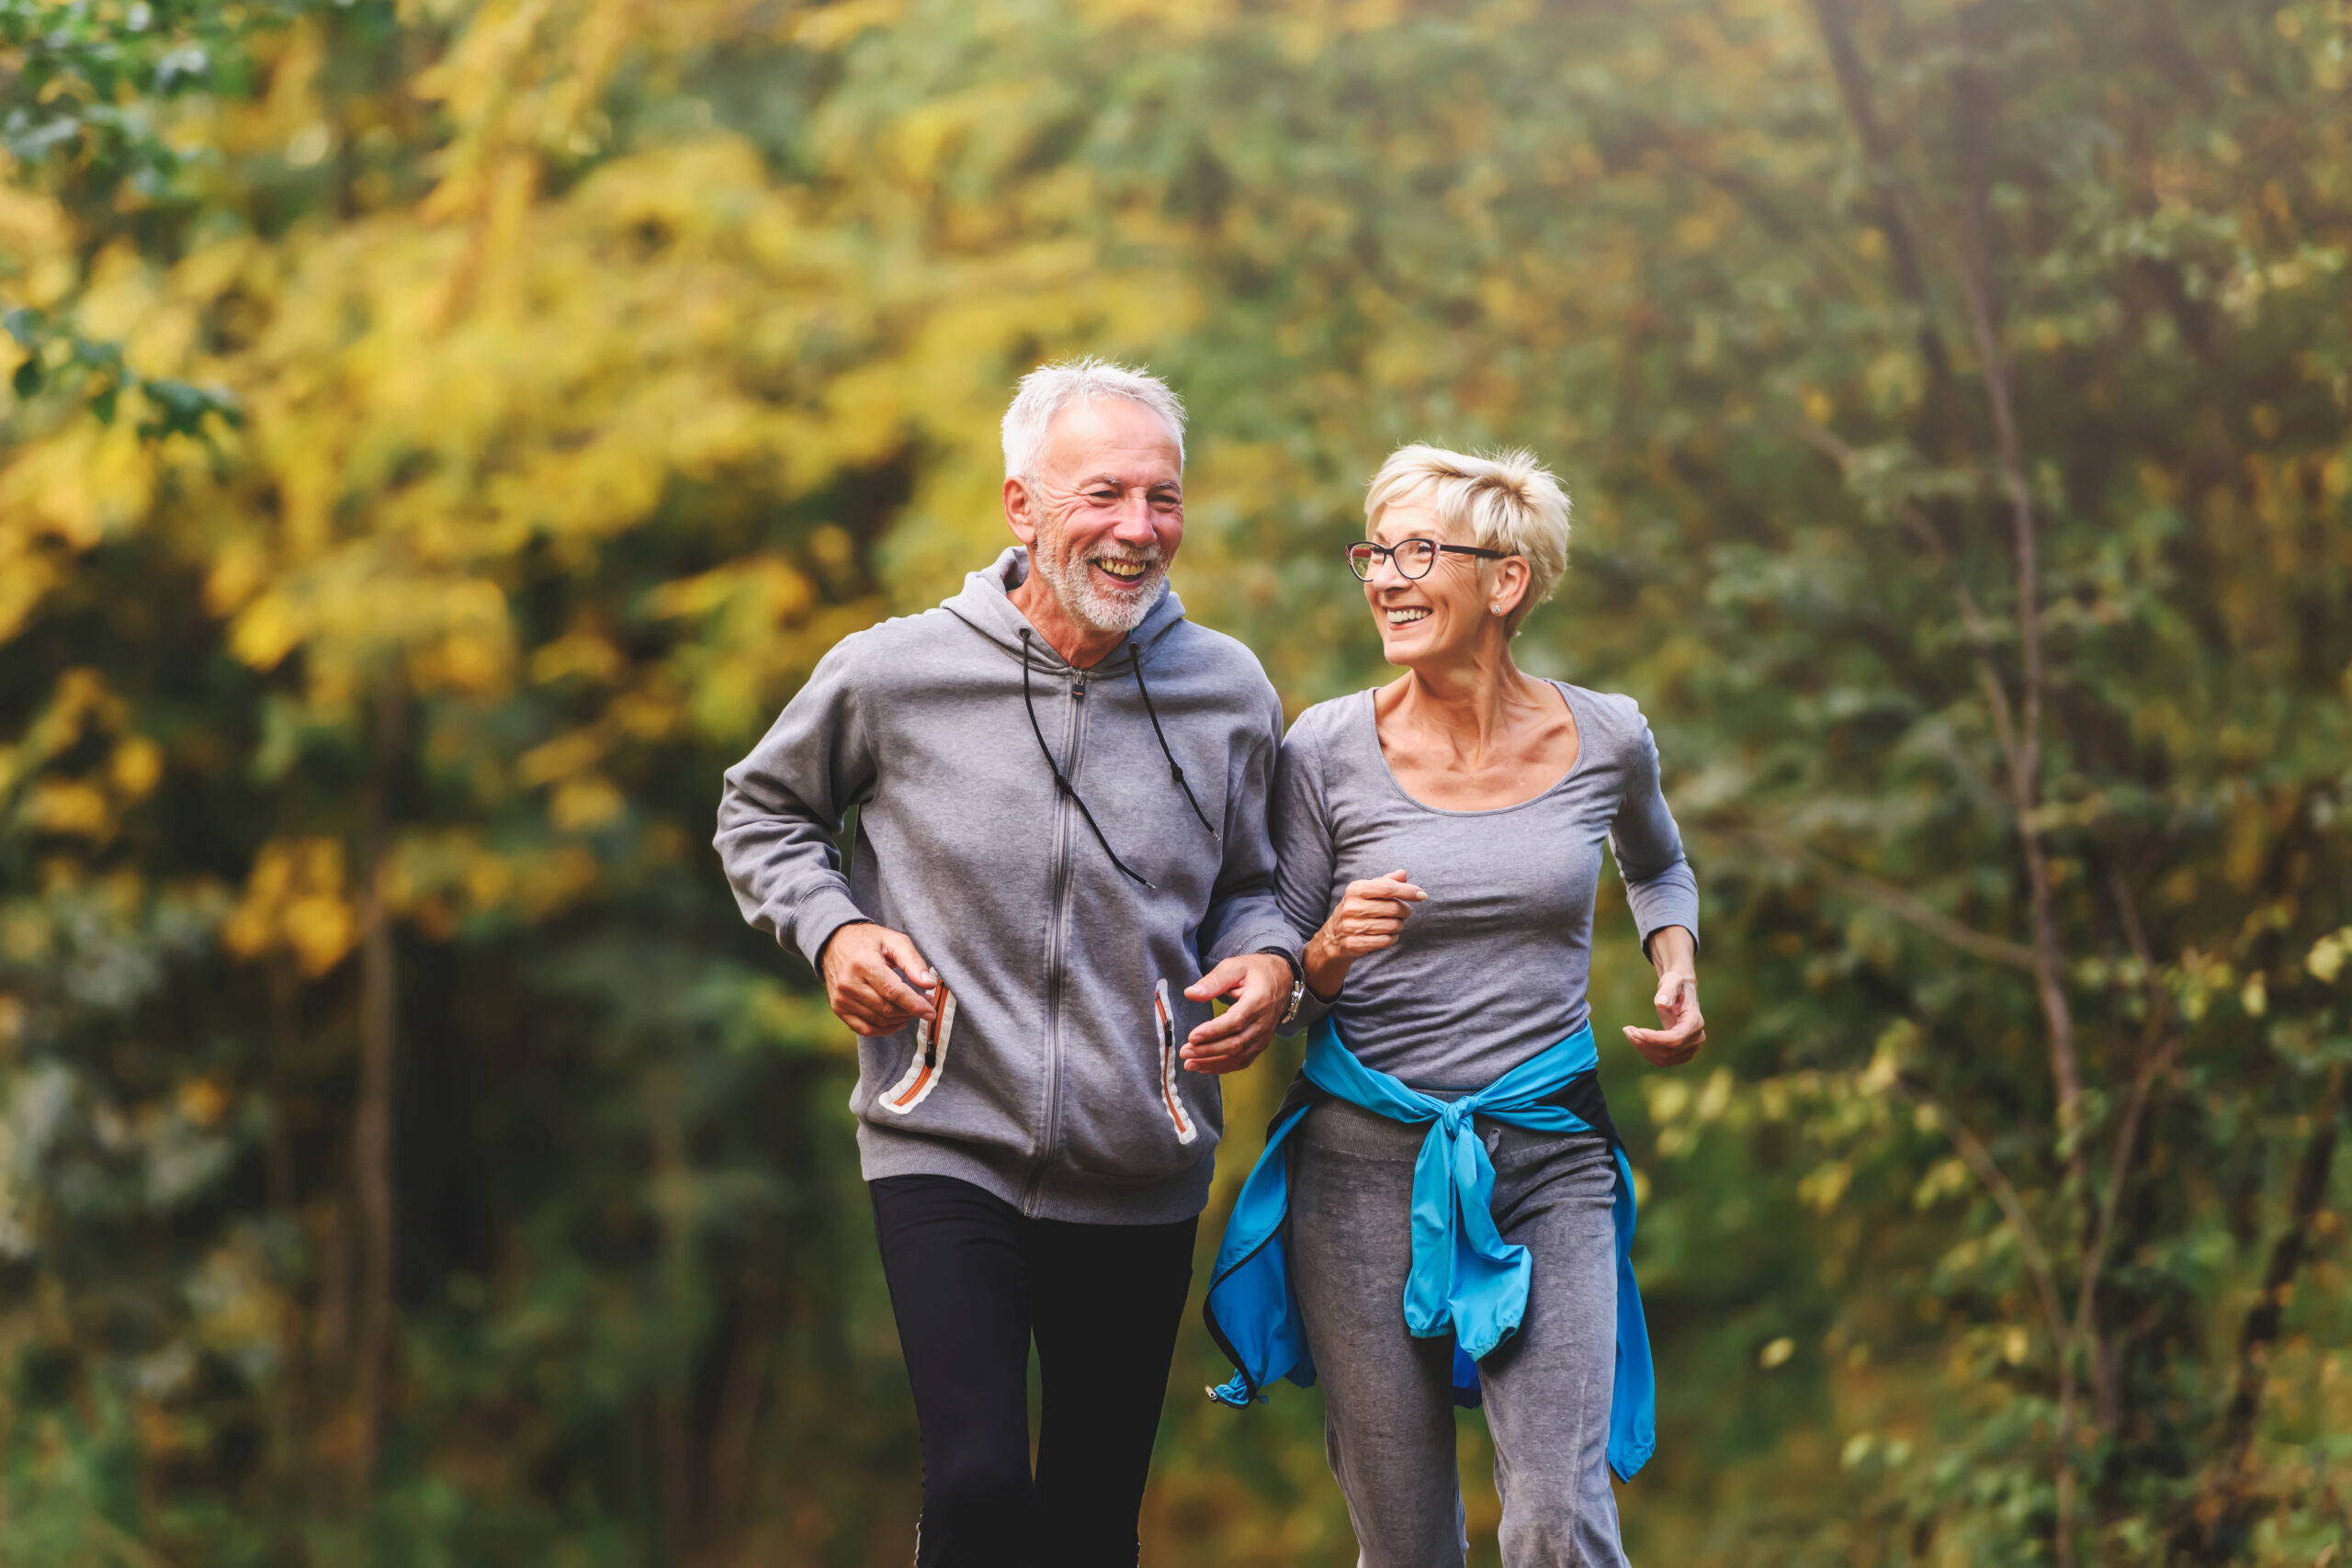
<point>1021,510</point>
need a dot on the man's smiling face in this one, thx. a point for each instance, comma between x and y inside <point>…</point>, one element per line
<point>1105,512</point>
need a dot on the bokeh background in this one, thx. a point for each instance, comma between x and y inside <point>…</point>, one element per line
<point>441,433</point>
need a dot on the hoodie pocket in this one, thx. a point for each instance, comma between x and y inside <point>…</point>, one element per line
<point>1128,1113</point>
<point>1172,1096</point>
<point>930,1061</point>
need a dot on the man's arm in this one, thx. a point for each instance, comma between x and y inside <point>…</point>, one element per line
<point>1253,951</point>
<point>783,806</point>
<point>777,818</point>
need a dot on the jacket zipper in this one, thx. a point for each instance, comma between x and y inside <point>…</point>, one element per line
<point>1075,736</point>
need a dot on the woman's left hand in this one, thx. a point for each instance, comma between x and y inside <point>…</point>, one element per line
<point>1683,1029</point>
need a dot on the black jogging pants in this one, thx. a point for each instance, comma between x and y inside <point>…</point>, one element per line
<point>972,1282</point>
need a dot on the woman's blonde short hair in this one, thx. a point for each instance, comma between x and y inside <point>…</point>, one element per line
<point>1506,501</point>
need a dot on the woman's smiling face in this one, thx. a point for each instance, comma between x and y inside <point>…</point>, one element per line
<point>1439,618</point>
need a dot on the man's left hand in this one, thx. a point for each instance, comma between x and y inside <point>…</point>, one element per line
<point>1257,985</point>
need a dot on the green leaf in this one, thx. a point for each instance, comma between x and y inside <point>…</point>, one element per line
<point>27,326</point>
<point>180,409</point>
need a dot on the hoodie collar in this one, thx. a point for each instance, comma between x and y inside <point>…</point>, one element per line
<point>984,606</point>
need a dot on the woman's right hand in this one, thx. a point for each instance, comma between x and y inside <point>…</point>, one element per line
<point>1370,915</point>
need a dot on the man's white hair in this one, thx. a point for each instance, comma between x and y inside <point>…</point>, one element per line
<point>1050,388</point>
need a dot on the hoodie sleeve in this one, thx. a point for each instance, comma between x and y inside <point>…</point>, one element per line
<point>1242,914</point>
<point>783,804</point>
<point>1649,846</point>
<point>1303,843</point>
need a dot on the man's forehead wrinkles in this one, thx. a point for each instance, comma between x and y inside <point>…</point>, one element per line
<point>1133,481</point>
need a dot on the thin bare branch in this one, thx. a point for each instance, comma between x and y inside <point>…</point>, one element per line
<point>1979,1159</point>
<point>2153,1062</point>
<point>2025,772</point>
<point>1878,152</point>
<point>1980,638</point>
<point>2152,1066</point>
<point>1905,905</point>
<point>2127,909</point>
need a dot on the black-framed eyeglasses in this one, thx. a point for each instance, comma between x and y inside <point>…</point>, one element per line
<point>1413,558</point>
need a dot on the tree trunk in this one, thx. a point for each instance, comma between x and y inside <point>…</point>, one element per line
<point>371,1143</point>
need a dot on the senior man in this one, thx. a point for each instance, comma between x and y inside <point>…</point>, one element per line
<point>1061,861</point>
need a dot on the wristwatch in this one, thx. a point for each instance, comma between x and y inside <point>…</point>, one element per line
<point>1297,986</point>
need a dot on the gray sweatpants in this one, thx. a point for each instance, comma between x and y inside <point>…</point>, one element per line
<point>1388,1396</point>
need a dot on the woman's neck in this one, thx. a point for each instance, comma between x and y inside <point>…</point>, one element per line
<point>1469,702</point>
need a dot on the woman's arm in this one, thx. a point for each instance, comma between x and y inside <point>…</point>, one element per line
<point>1682,1028</point>
<point>1301,825</point>
<point>1370,915</point>
<point>1665,899</point>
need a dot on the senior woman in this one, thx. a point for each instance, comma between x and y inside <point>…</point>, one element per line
<point>1458,1212</point>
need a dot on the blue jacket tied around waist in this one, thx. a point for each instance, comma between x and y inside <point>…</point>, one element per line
<point>1465,1279</point>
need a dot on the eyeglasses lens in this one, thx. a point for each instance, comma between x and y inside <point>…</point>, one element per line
<point>1413,558</point>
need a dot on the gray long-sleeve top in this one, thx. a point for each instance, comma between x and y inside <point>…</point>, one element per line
<point>1494,968</point>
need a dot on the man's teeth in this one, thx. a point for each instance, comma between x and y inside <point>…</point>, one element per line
<point>1407,616</point>
<point>1126,571</point>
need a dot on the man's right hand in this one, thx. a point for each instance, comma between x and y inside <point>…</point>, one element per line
<point>875,980</point>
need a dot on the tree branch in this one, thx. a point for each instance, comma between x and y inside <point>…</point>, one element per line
<point>1979,1159</point>
<point>1836,21</point>
<point>2152,1066</point>
<point>2025,771</point>
<point>1981,638</point>
<point>1905,905</point>
<point>2154,1061</point>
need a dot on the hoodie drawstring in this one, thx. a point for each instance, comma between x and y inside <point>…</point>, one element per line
<point>1061,781</point>
<point>1134,662</point>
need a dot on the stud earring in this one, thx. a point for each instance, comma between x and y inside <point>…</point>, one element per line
<point>1498,609</point>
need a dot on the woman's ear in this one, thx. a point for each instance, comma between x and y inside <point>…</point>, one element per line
<point>1511,581</point>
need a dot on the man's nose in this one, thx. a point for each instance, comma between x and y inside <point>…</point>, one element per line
<point>1134,525</point>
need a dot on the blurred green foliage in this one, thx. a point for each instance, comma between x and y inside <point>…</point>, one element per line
<point>406,1156</point>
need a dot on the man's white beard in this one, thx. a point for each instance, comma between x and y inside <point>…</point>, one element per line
<point>1087,602</point>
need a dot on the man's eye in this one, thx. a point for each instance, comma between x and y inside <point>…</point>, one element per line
<point>1103,495</point>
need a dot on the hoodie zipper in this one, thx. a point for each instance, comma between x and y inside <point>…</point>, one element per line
<point>1074,740</point>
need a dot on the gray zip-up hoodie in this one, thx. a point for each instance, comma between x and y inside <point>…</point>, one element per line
<point>1050,1078</point>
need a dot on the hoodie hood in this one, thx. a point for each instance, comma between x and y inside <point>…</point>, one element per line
<point>984,604</point>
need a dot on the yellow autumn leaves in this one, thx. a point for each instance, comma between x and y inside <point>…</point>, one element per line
<point>295,900</point>
<point>84,719</point>
<point>301,901</point>
<point>500,387</point>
